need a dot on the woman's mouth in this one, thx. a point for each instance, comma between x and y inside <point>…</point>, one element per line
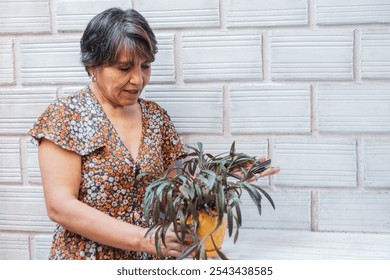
<point>132,91</point>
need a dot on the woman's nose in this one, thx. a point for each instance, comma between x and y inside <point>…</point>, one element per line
<point>136,77</point>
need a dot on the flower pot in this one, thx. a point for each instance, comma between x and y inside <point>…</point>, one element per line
<point>207,225</point>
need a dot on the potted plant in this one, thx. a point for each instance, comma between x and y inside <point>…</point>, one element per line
<point>203,198</point>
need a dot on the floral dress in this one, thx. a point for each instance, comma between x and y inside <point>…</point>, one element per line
<point>78,123</point>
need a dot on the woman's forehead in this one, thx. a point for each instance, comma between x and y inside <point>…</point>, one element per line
<point>128,55</point>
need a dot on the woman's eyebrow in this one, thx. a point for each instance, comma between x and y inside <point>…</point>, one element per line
<point>125,62</point>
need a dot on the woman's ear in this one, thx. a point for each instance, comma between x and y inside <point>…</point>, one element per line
<point>91,71</point>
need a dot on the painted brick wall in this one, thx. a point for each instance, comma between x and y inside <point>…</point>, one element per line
<point>305,82</point>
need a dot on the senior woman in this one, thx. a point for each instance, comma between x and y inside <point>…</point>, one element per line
<point>93,144</point>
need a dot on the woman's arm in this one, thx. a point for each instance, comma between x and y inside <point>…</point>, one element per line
<point>61,175</point>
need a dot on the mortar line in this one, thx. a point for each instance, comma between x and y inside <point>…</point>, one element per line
<point>357,67</point>
<point>266,57</point>
<point>53,20</point>
<point>23,160</point>
<point>226,127</point>
<point>134,4</point>
<point>17,80</point>
<point>314,117</point>
<point>360,163</point>
<point>177,57</point>
<point>311,13</point>
<point>222,14</point>
<point>314,211</point>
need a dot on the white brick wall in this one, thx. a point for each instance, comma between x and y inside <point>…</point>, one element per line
<point>305,82</point>
<point>6,58</point>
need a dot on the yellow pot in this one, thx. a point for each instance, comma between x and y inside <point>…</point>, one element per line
<point>207,224</point>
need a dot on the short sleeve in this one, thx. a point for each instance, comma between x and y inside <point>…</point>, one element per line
<point>67,126</point>
<point>172,146</point>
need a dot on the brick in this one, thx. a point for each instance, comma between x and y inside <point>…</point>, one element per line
<point>163,68</point>
<point>315,163</point>
<point>52,61</point>
<point>266,13</point>
<point>354,212</point>
<point>19,109</point>
<point>257,244</point>
<point>375,54</point>
<point>66,91</point>
<point>376,164</point>
<point>312,55</point>
<point>180,14</point>
<point>208,57</point>
<point>7,62</point>
<point>215,146</point>
<point>270,109</point>
<point>41,245</point>
<point>192,109</point>
<point>354,108</point>
<point>10,168</point>
<point>33,171</point>
<point>292,211</point>
<point>14,246</point>
<point>330,12</point>
<point>23,209</point>
<point>24,16</point>
<point>74,15</point>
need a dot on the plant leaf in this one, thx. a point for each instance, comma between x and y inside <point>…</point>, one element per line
<point>237,232</point>
<point>266,195</point>
<point>229,214</point>
<point>233,150</point>
<point>188,251</point>
<point>157,241</point>
<point>220,254</point>
<point>253,194</point>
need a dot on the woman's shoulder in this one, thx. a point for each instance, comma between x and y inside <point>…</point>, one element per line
<point>153,107</point>
<point>72,123</point>
<point>76,102</point>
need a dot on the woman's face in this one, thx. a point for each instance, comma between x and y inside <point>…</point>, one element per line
<point>122,83</point>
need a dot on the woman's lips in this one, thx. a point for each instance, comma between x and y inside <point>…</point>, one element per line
<point>132,91</point>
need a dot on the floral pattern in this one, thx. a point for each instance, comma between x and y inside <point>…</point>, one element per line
<point>79,124</point>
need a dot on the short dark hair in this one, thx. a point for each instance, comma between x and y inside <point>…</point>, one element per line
<point>111,31</point>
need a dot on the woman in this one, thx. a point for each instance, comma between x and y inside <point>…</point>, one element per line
<point>93,144</point>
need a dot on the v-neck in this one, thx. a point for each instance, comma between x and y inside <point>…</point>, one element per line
<point>105,116</point>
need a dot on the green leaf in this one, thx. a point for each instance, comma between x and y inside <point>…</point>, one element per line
<point>220,205</point>
<point>229,219</point>
<point>233,149</point>
<point>188,251</point>
<point>156,210</point>
<point>211,178</point>
<point>157,241</point>
<point>266,195</point>
<point>183,226</point>
<point>237,232</point>
<point>254,195</point>
<point>239,217</point>
<point>220,254</point>
<point>151,230</point>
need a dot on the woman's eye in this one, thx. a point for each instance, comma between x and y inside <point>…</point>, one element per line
<point>146,66</point>
<point>125,69</point>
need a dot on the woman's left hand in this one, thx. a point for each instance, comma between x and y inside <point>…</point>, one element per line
<point>267,172</point>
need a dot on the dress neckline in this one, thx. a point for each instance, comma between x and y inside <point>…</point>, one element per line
<point>105,116</point>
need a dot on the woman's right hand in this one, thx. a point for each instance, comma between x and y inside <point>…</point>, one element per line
<point>174,247</point>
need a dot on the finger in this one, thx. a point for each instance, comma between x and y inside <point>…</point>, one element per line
<point>269,171</point>
<point>175,249</point>
<point>172,235</point>
<point>261,158</point>
<point>254,178</point>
